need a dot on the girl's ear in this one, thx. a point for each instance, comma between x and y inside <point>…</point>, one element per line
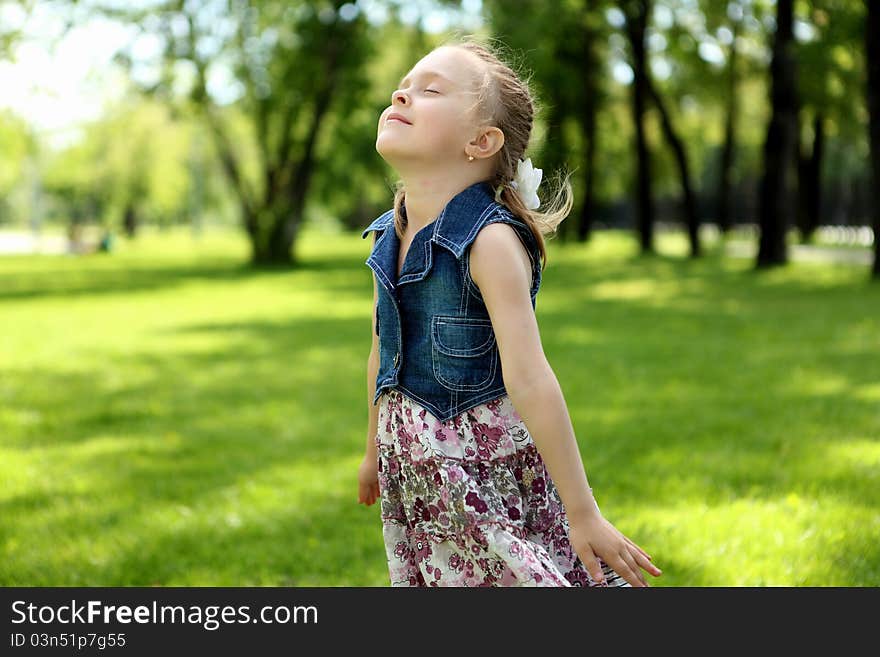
<point>487,143</point>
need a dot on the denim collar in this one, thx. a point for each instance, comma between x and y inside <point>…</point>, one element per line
<point>454,229</point>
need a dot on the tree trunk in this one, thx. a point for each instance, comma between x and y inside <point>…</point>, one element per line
<point>689,203</point>
<point>636,13</point>
<point>272,222</point>
<point>810,182</point>
<point>725,177</point>
<point>872,53</point>
<point>554,152</point>
<point>585,226</point>
<point>588,119</point>
<point>287,211</point>
<point>776,197</point>
<point>129,221</point>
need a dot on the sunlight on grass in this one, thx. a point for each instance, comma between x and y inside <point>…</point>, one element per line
<point>868,392</point>
<point>788,541</point>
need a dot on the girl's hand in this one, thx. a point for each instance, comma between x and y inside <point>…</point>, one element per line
<point>368,480</point>
<point>593,536</point>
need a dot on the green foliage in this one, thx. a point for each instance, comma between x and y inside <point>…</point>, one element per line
<point>13,16</point>
<point>277,59</point>
<point>138,154</point>
<point>288,63</point>
<point>171,418</point>
<point>353,183</point>
<point>832,63</point>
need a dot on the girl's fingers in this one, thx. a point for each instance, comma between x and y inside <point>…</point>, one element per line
<point>621,567</point>
<point>642,561</point>
<point>591,563</point>
<point>368,493</point>
<point>633,568</point>
<point>625,570</point>
<point>647,556</point>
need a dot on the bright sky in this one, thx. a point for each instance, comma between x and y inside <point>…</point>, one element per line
<point>54,90</point>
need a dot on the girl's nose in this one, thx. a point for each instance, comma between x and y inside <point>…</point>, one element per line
<point>398,95</point>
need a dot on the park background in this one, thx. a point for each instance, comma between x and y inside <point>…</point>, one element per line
<point>185,307</point>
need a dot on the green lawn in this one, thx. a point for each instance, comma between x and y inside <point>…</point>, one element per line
<point>169,418</point>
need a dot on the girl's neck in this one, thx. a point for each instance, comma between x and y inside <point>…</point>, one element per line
<point>427,196</point>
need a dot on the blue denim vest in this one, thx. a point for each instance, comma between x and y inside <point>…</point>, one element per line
<point>436,341</point>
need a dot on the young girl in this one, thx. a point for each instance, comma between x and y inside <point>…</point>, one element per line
<point>470,448</point>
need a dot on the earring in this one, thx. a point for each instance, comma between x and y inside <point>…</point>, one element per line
<point>470,158</point>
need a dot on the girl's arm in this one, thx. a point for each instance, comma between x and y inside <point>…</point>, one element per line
<point>528,377</point>
<point>368,477</point>
<point>372,371</point>
<point>535,393</point>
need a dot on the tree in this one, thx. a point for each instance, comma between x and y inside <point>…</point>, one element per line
<point>711,52</point>
<point>731,18</point>
<point>18,154</point>
<point>568,81</point>
<point>132,162</point>
<point>689,202</point>
<point>595,96</point>
<point>827,48</point>
<point>293,63</point>
<point>776,194</point>
<point>637,13</point>
<point>872,55</point>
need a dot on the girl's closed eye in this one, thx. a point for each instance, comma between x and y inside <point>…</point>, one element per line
<point>433,91</point>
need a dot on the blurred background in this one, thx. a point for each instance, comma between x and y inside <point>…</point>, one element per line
<point>185,308</point>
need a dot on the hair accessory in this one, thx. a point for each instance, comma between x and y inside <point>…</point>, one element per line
<point>526,183</point>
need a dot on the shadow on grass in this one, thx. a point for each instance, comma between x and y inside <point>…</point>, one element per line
<point>74,278</point>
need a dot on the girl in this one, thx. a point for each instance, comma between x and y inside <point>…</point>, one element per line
<point>470,448</point>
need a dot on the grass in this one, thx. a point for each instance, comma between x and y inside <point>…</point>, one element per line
<point>168,417</point>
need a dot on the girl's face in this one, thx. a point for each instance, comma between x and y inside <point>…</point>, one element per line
<point>434,97</point>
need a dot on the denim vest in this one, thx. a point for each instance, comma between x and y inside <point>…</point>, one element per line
<point>436,341</point>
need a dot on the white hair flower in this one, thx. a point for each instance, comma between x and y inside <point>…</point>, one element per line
<point>526,183</point>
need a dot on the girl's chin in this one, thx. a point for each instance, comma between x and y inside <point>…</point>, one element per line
<point>400,153</point>
<point>393,152</point>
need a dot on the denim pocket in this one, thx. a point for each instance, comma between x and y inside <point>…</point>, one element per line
<point>463,351</point>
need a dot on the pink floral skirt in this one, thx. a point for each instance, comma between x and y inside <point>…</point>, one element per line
<point>468,502</point>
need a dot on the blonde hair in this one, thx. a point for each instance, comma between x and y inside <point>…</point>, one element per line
<point>504,100</point>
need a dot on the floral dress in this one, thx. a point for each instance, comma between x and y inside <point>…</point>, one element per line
<point>468,502</point>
